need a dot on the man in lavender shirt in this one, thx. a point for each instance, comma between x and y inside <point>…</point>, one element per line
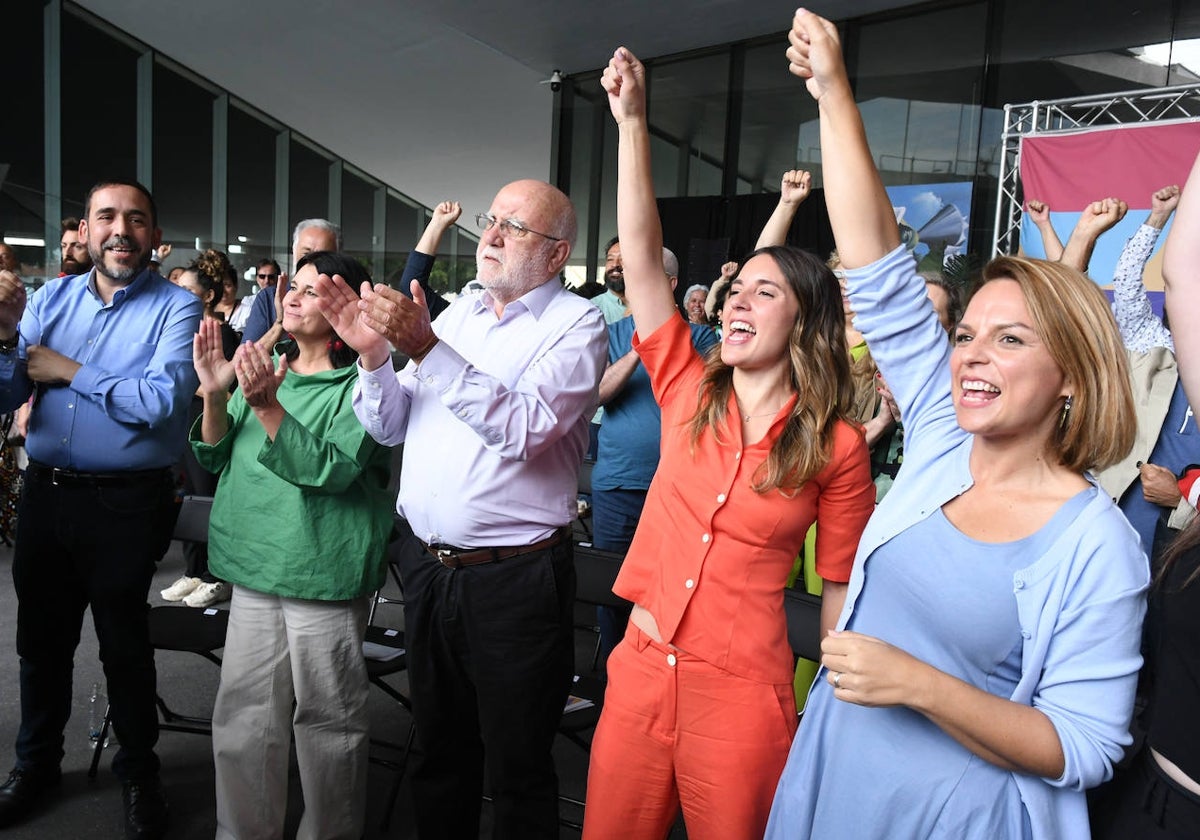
<point>494,410</point>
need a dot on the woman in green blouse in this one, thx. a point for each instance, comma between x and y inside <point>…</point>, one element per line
<point>299,526</point>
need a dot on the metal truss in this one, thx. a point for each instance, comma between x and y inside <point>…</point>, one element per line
<point>1066,116</point>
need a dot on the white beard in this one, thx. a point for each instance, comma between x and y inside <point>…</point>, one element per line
<point>505,279</point>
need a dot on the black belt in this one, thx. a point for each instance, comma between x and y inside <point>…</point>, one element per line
<point>59,476</point>
<point>455,558</point>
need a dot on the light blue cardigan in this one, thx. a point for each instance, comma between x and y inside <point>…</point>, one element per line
<point>1080,605</point>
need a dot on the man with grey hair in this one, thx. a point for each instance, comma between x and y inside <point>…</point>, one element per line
<point>628,448</point>
<point>693,303</point>
<point>308,236</point>
<point>493,407</point>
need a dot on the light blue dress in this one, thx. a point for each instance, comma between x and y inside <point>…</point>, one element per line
<point>928,585</point>
<point>1053,622</point>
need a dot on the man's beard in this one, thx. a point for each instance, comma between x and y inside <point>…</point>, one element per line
<point>71,266</point>
<point>614,278</point>
<point>119,274</point>
<point>511,278</point>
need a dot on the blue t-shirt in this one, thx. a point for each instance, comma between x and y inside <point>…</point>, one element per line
<point>627,455</point>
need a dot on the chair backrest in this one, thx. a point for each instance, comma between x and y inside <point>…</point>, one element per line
<point>192,524</point>
<point>585,477</point>
<point>803,623</point>
<point>595,572</point>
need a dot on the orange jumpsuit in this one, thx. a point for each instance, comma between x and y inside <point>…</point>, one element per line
<point>706,719</point>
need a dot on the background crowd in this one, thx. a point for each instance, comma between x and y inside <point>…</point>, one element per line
<point>986,482</point>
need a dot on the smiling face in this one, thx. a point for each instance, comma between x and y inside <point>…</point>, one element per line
<point>614,272</point>
<point>1004,381</point>
<point>301,317</point>
<point>695,307</point>
<point>120,233</point>
<point>758,316</point>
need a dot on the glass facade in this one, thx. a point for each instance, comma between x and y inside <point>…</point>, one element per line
<point>223,174</point>
<point>931,80</point>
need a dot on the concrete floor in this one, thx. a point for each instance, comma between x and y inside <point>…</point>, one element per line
<point>92,808</point>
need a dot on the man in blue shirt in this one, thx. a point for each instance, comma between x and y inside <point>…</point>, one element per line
<point>628,450</point>
<point>107,357</point>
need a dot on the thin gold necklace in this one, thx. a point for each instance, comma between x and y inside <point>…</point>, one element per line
<point>746,418</point>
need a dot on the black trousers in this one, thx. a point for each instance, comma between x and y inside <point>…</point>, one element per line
<point>80,545</point>
<point>491,661</point>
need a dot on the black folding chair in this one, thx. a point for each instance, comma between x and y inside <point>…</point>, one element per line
<point>386,656</point>
<point>803,623</point>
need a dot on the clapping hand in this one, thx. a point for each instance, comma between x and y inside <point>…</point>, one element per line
<point>257,377</point>
<point>215,372</point>
<point>339,304</point>
<point>12,302</point>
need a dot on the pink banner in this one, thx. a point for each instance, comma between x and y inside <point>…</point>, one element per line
<point>1070,171</point>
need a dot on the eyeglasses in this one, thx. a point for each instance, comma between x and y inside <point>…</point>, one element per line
<point>509,227</point>
<point>268,277</point>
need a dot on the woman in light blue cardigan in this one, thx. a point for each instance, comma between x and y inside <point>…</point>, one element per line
<point>983,671</point>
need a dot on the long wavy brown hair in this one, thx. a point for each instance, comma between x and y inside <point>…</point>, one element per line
<point>820,376</point>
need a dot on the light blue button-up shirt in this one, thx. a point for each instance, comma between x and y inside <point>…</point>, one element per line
<point>126,408</point>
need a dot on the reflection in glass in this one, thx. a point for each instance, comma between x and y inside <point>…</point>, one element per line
<point>358,219</point>
<point>308,184</point>
<point>687,110</point>
<point>89,155</point>
<point>21,147</point>
<point>250,184</point>
<point>182,132</point>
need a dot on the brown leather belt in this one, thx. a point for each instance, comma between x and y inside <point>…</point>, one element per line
<point>455,558</point>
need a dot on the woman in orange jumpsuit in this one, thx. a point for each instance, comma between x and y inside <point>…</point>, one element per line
<point>757,445</point>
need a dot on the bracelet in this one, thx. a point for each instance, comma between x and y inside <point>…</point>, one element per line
<point>7,345</point>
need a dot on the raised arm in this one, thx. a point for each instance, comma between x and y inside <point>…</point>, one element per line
<point>421,259</point>
<point>860,212</point>
<point>1039,211</point>
<point>444,217</point>
<point>647,289</point>
<point>1181,274</point>
<point>1096,219</point>
<point>794,187</point>
<point>864,670</point>
<point>1141,329</point>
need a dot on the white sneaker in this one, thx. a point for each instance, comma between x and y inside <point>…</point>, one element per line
<point>207,594</point>
<point>181,588</point>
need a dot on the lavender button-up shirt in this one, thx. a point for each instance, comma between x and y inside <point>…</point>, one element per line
<point>495,418</point>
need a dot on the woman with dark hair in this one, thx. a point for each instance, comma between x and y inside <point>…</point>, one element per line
<point>205,278</point>
<point>756,446</point>
<point>299,525</point>
<point>982,673</point>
